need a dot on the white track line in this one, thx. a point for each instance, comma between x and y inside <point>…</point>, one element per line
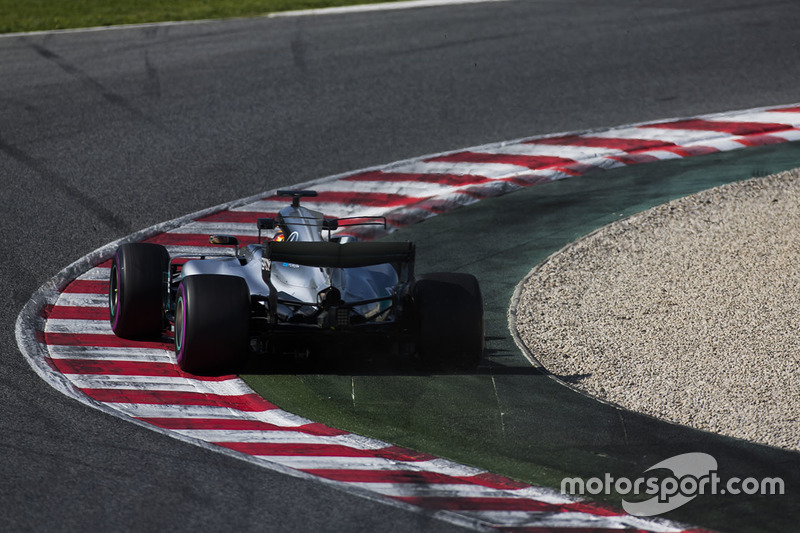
<point>341,10</point>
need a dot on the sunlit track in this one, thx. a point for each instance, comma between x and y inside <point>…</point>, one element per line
<point>67,339</point>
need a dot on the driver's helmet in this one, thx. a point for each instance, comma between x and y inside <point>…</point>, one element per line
<point>279,236</point>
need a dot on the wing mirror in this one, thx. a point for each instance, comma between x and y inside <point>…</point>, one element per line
<point>225,240</point>
<point>267,223</point>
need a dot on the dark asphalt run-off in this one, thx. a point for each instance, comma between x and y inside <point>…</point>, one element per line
<point>104,133</point>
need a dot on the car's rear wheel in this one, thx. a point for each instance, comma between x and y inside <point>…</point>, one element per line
<point>449,312</point>
<point>137,290</point>
<point>212,321</point>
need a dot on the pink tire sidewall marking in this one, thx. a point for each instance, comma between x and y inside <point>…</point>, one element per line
<point>180,339</point>
<point>114,298</point>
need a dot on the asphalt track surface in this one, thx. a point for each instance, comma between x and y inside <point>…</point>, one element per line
<point>103,133</point>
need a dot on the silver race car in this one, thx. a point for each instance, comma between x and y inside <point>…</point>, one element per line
<point>298,293</point>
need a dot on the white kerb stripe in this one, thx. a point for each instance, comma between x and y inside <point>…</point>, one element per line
<point>102,353</point>
<point>277,417</point>
<point>576,153</point>
<point>787,135</point>
<point>77,299</point>
<point>231,387</point>
<point>301,462</point>
<point>454,490</point>
<point>67,325</point>
<point>661,155</point>
<point>667,135</point>
<point>96,274</point>
<point>413,189</point>
<point>769,117</point>
<point>568,520</point>
<point>488,170</point>
<point>282,437</point>
<point>339,210</point>
<point>386,6</point>
<point>152,410</point>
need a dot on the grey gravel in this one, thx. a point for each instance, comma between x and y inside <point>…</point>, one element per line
<point>688,312</point>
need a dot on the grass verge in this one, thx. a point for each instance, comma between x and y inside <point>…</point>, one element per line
<point>42,15</point>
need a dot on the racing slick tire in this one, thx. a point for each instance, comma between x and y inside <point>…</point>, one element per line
<point>450,331</point>
<point>212,321</point>
<point>137,289</point>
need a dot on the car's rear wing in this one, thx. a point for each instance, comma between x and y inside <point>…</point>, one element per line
<point>335,255</point>
<point>329,224</point>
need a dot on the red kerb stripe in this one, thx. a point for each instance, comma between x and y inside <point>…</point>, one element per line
<point>239,424</point>
<point>635,159</point>
<point>760,140</point>
<point>533,162</point>
<point>385,476</point>
<point>411,476</point>
<point>84,286</point>
<point>497,481</point>
<point>451,180</point>
<point>550,529</point>
<point>691,151</point>
<point>731,128</point>
<point>321,450</point>
<point>292,449</point>
<point>625,145</point>
<point>367,199</point>
<point>795,109</point>
<point>194,239</point>
<point>75,312</point>
<point>243,402</point>
<point>398,453</point>
<point>129,368</point>
<point>507,504</point>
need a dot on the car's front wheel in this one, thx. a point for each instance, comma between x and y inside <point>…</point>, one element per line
<point>212,321</point>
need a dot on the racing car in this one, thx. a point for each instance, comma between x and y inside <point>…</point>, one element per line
<point>300,291</point>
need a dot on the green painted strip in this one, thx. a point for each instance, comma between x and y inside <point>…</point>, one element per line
<point>508,418</point>
<point>44,15</point>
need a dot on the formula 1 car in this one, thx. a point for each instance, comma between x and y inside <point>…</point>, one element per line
<point>297,293</point>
